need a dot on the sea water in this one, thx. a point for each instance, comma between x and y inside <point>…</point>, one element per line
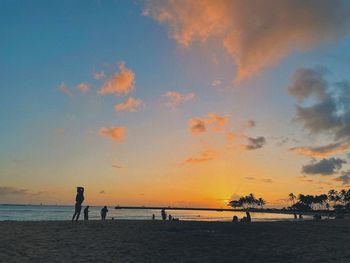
<point>59,212</point>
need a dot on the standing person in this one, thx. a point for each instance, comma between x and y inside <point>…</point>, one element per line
<point>79,199</point>
<point>104,211</point>
<point>163,214</point>
<point>86,213</point>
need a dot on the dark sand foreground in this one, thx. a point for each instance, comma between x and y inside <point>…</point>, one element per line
<point>147,241</point>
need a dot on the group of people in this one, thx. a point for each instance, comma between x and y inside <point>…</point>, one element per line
<point>79,199</point>
<point>245,219</point>
<point>164,216</point>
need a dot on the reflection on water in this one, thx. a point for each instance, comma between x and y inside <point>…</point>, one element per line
<point>47,212</point>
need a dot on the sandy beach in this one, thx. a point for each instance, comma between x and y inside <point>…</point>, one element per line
<point>147,241</point>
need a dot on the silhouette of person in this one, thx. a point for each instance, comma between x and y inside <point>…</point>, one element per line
<point>163,214</point>
<point>104,211</point>
<point>79,199</point>
<point>170,217</point>
<point>86,213</point>
<point>300,216</point>
<point>153,217</point>
<point>248,218</point>
<point>235,219</point>
<point>295,216</point>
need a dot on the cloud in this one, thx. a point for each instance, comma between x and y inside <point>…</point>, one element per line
<point>344,178</point>
<point>5,190</point>
<point>324,166</point>
<point>255,143</point>
<point>328,114</point>
<point>267,180</point>
<point>83,87</point>
<point>115,133</point>
<point>205,156</point>
<point>197,126</point>
<point>130,105</point>
<point>257,34</point>
<point>99,75</point>
<point>63,88</point>
<point>212,120</point>
<point>322,151</point>
<point>307,82</point>
<point>176,98</point>
<point>121,83</point>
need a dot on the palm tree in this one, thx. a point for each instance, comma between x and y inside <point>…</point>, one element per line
<point>261,202</point>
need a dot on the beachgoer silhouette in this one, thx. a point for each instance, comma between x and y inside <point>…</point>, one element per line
<point>153,217</point>
<point>295,216</point>
<point>248,218</point>
<point>86,213</point>
<point>163,214</point>
<point>300,216</point>
<point>170,217</point>
<point>235,219</point>
<point>104,211</point>
<point>79,199</point>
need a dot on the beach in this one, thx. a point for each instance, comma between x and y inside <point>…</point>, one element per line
<point>157,241</point>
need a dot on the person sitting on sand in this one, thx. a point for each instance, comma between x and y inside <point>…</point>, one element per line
<point>235,219</point>
<point>86,213</point>
<point>104,211</point>
<point>79,199</point>
<point>163,214</point>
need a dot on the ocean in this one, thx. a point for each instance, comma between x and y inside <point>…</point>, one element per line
<point>60,212</point>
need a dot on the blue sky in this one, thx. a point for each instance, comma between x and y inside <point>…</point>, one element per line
<point>50,141</point>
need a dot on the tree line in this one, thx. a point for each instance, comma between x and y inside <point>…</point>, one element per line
<point>338,200</point>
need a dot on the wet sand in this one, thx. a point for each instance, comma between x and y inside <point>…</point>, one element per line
<point>147,241</point>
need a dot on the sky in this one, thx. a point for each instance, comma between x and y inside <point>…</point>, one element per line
<point>186,103</point>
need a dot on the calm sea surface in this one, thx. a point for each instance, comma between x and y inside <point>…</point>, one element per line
<point>57,212</point>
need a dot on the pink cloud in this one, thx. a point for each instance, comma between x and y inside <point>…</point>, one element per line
<point>121,83</point>
<point>256,34</point>
<point>83,87</point>
<point>212,120</point>
<point>115,133</point>
<point>63,88</point>
<point>130,105</point>
<point>175,98</point>
<point>205,156</point>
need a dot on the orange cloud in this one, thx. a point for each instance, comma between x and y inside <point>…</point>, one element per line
<point>257,34</point>
<point>121,83</point>
<point>115,133</point>
<point>130,105</point>
<point>322,151</point>
<point>199,125</point>
<point>83,87</point>
<point>175,98</point>
<point>63,88</point>
<point>205,156</point>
